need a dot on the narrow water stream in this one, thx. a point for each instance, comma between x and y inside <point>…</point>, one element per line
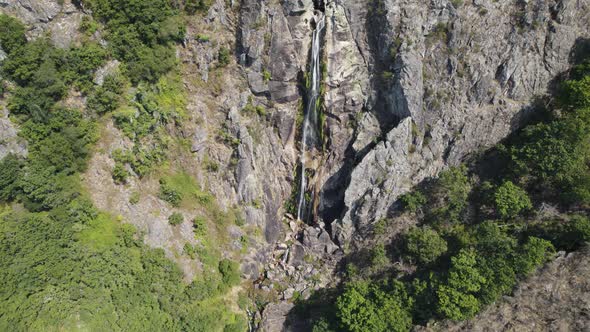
<point>309,137</point>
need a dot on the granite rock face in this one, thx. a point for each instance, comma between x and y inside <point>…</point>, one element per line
<point>60,20</point>
<point>449,86</point>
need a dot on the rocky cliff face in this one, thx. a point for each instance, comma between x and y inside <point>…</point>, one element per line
<point>410,87</point>
<point>443,79</point>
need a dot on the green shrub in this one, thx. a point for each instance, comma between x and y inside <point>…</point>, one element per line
<point>413,201</point>
<point>424,244</point>
<point>379,256</point>
<point>266,75</point>
<point>194,6</point>
<point>223,57</point>
<point>510,200</point>
<point>88,26</point>
<point>176,219</point>
<point>576,93</point>
<point>364,307</point>
<point>457,298</point>
<point>578,230</point>
<point>449,195</point>
<point>140,34</point>
<point>12,33</point>
<point>230,272</point>
<point>555,155</point>
<point>200,226</point>
<point>107,97</point>
<point>120,173</point>
<point>81,63</point>
<point>169,194</point>
<point>134,198</point>
<point>457,3</point>
<point>532,254</point>
<point>10,172</point>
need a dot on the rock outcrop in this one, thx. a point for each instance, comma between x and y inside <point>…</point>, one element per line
<point>10,142</point>
<point>60,18</point>
<point>459,90</point>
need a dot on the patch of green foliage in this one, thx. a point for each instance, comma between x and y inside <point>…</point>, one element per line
<point>181,188</point>
<point>43,73</point>
<point>107,97</point>
<point>176,219</point>
<point>11,168</point>
<point>12,33</point>
<point>194,6</point>
<point>230,272</point>
<point>424,245</point>
<point>448,197</point>
<point>223,57</point>
<point>144,119</point>
<point>367,307</point>
<point>413,201</point>
<point>510,200</point>
<point>91,272</point>
<point>141,34</point>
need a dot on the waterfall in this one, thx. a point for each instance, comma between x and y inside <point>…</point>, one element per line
<point>309,137</point>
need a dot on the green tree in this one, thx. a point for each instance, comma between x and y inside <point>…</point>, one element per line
<point>365,307</point>
<point>510,200</point>
<point>12,33</point>
<point>413,201</point>
<point>457,298</point>
<point>449,194</point>
<point>379,256</point>
<point>532,254</point>
<point>556,155</point>
<point>424,244</point>
<point>10,173</point>
<point>456,305</point>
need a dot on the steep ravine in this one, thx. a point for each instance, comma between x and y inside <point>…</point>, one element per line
<point>411,88</point>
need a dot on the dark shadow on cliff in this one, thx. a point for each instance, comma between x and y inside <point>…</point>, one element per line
<point>380,68</point>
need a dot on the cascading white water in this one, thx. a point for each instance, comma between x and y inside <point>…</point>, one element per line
<point>309,137</point>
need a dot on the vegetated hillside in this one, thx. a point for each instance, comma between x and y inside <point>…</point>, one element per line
<point>148,146</point>
<point>554,299</point>
<point>65,264</point>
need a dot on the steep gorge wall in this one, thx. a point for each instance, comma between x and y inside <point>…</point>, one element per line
<point>411,87</point>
